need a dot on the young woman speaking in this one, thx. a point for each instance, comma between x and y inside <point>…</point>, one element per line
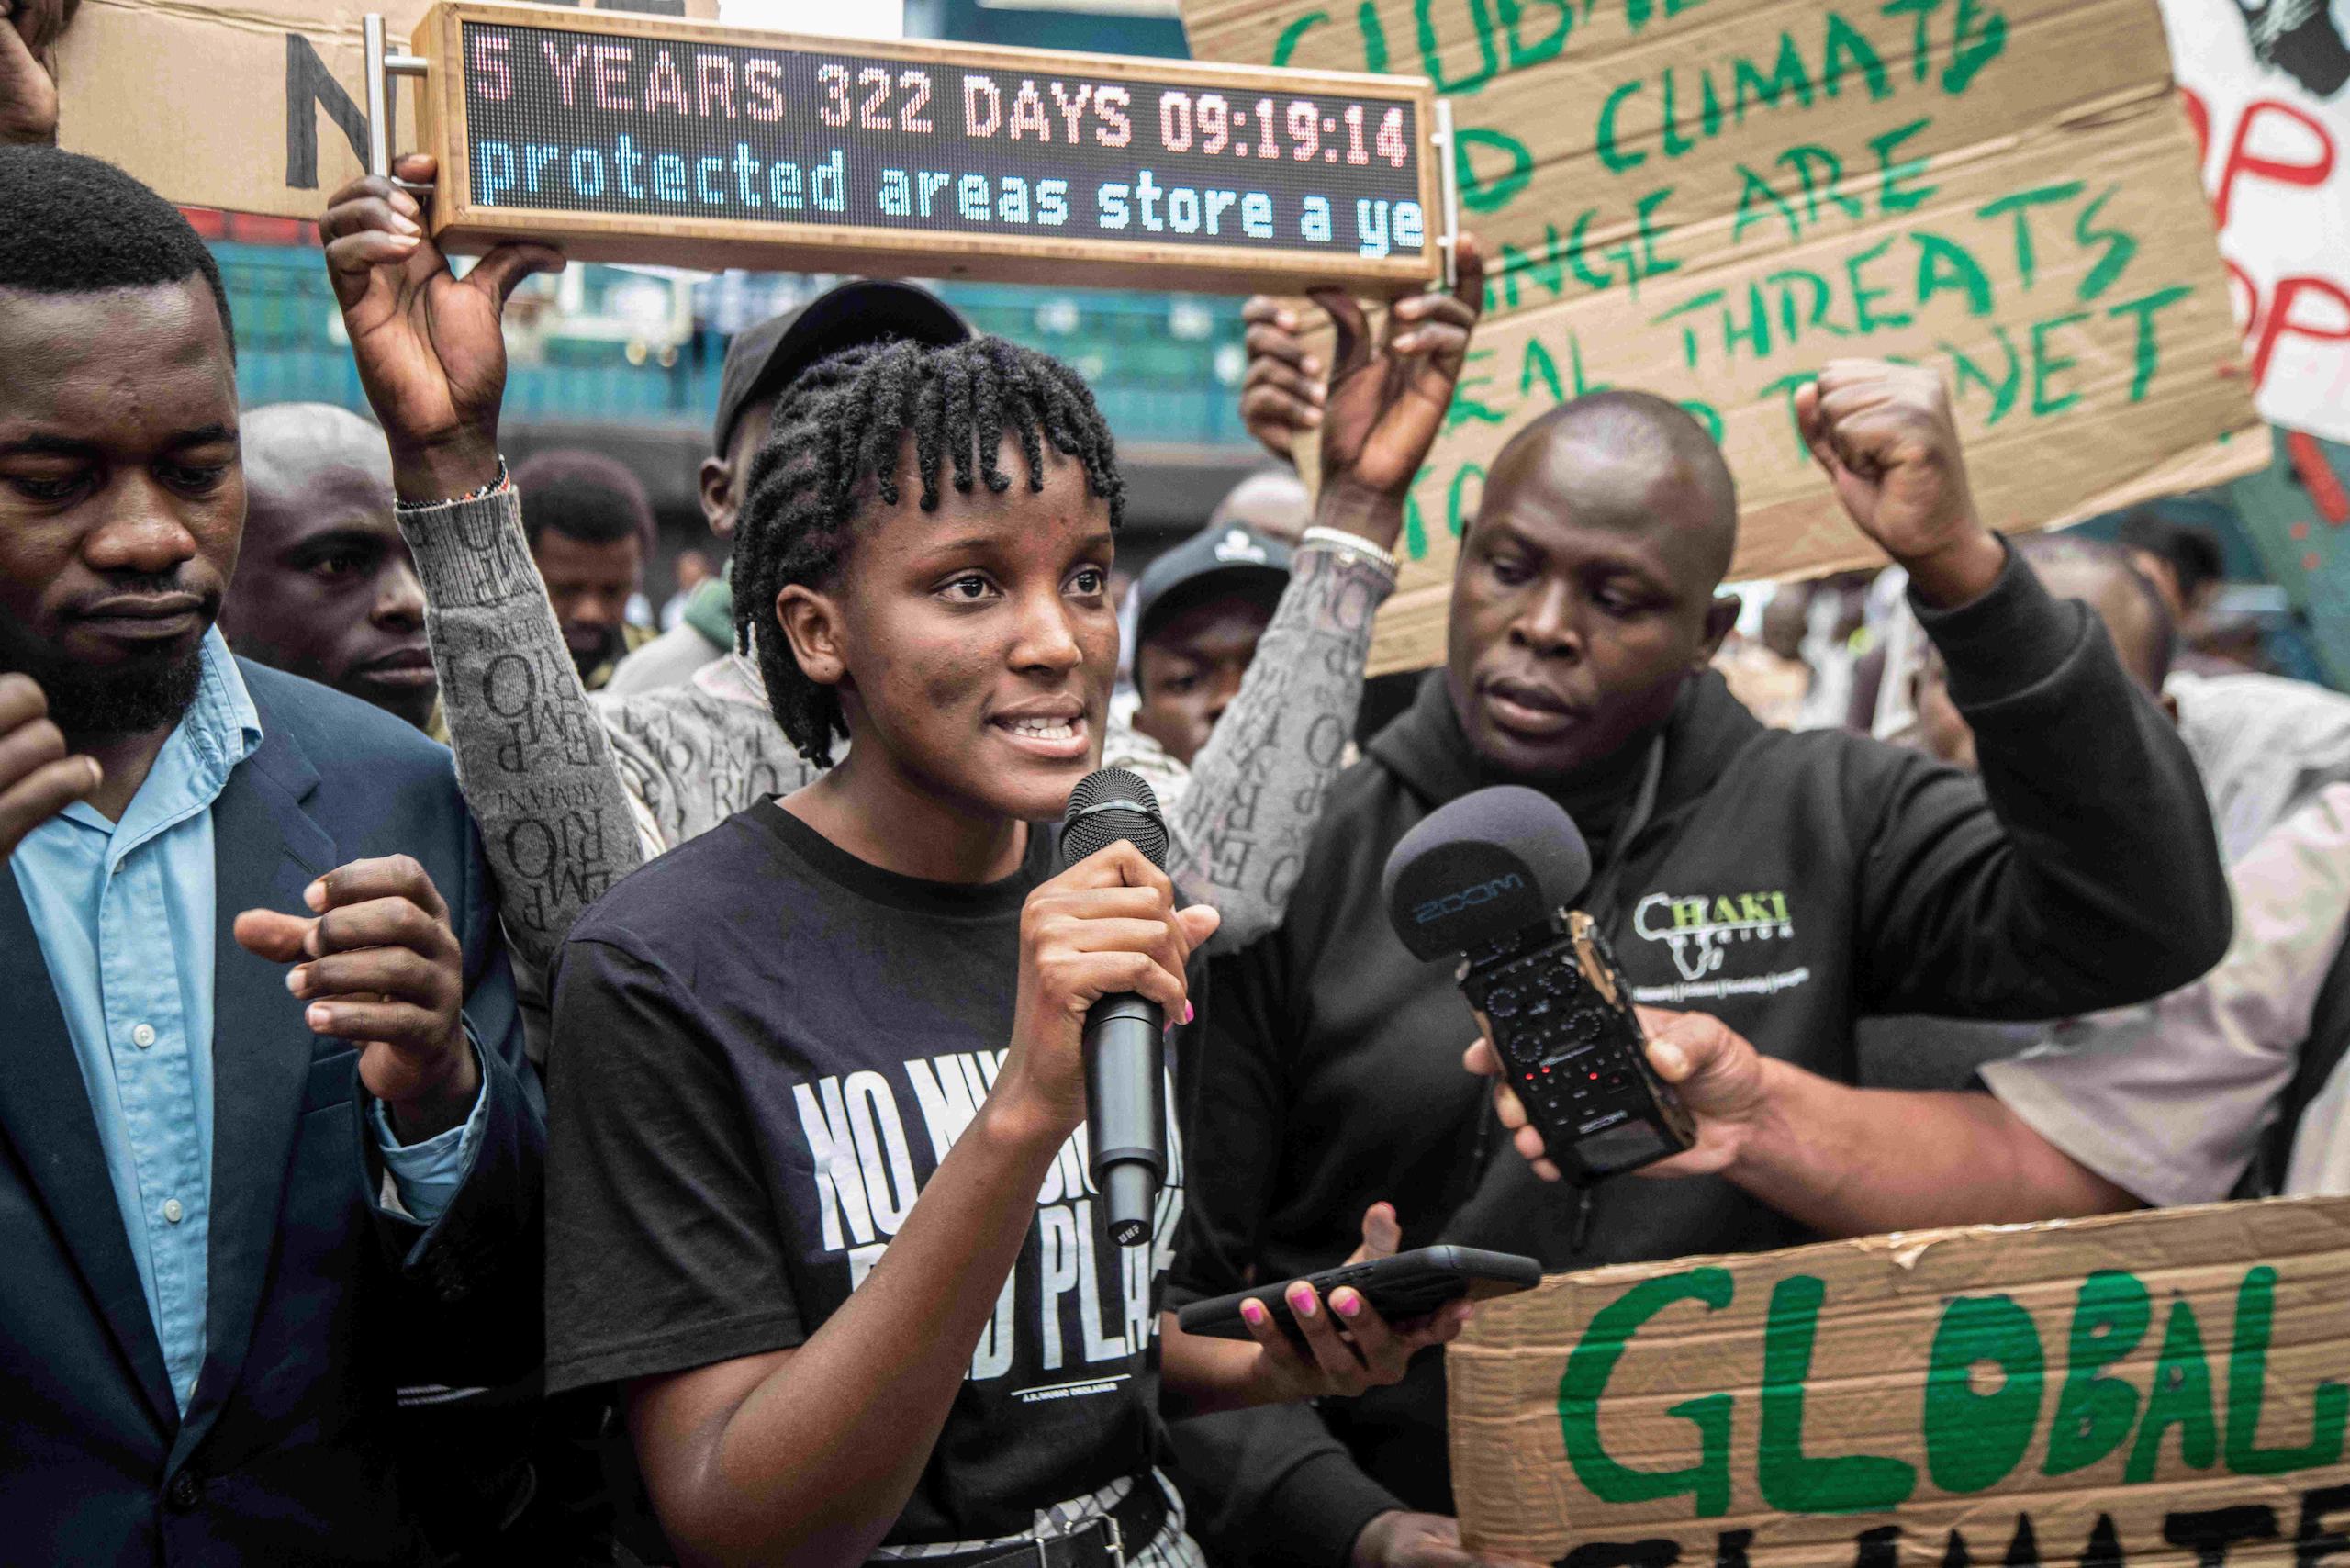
<point>816,1192</point>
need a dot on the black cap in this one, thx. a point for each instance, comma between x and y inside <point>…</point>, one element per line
<point>764,359</point>
<point>1227,560</point>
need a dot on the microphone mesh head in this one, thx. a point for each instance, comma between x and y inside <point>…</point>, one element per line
<point>1109,804</point>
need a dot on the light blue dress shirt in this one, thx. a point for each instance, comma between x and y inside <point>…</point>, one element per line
<point>126,914</point>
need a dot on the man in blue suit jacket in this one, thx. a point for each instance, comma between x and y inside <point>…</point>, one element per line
<point>269,1146</point>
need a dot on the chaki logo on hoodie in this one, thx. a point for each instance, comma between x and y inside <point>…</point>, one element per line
<point>1700,928</point>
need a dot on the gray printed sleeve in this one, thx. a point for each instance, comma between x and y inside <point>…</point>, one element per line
<point>692,755</point>
<point>1241,825</point>
<point>536,766</point>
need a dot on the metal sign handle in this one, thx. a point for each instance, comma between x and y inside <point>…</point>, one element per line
<point>1448,241</point>
<point>382,66</point>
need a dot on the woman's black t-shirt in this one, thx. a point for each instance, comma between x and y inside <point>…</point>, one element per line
<point>765,1045</point>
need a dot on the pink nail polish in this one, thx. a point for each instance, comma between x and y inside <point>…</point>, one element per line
<point>1253,1312</point>
<point>1187,1013</point>
<point>1302,1302</point>
<point>1346,1304</point>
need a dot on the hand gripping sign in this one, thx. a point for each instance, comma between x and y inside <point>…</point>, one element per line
<point>260,107</point>
<point>625,138</point>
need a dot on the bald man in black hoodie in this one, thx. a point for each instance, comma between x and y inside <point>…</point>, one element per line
<point>1787,882</point>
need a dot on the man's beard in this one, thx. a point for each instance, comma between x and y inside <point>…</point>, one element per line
<point>607,651</point>
<point>120,699</point>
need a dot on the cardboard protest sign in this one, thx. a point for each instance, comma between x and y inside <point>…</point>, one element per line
<point>2159,1387</point>
<point>1710,199</point>
<point>257,107</point>
<point>2268,91</point>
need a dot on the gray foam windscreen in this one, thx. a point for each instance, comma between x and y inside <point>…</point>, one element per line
<point>1492,862</point>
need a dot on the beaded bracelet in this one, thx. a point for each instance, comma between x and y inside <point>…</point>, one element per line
<point>483,494</point>
<point>1354,544</point>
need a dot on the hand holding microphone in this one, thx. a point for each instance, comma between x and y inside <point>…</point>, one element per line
<point>1103,937</point>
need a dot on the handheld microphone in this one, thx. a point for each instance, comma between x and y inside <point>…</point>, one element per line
<point>1489,877</point>
<point>1126,1044</point>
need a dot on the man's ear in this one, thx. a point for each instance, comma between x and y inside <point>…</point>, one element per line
<point>717,486</point>
<point>1720,616</point>
<point>812,625</point>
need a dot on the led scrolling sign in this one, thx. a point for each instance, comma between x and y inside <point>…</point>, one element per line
<point>622,137</point>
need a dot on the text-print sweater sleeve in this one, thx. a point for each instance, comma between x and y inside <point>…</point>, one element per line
<point>2093,878</point>
<point>534,764</point>
<point>1242,823</point>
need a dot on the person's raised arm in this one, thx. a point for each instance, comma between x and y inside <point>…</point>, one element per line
<point>1844,1161</point>
<point>1256,790</point>
<point>534,762</point>
<point>2095,877</point>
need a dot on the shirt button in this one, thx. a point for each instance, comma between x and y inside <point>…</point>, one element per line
<point>171,1210</point>
<point>143,1036</point>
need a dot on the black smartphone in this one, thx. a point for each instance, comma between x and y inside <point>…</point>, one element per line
<point>1409,1284</point>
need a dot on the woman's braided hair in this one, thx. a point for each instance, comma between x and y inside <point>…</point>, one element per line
<point>840,427</point>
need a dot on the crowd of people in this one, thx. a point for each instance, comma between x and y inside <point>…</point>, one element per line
<point>485,1084</point>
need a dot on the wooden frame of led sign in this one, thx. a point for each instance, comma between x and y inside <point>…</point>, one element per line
<point>712,132</point>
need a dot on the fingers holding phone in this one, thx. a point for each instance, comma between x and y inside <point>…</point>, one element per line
<point>1358,1326</point>
<point>1339,1344</point>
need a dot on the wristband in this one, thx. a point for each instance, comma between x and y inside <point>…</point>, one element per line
<point>483,494</point>
<point>1353,543</point>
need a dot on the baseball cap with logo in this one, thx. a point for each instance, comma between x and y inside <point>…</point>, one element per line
<point>1214,561</point>
<point>763,360</point>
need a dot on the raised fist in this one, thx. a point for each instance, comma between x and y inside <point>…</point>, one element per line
<point>1886,437</point>
<point>27,83</point>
